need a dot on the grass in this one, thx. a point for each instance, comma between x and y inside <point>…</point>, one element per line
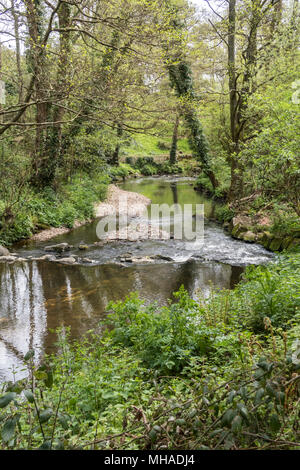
<point>147,145</point>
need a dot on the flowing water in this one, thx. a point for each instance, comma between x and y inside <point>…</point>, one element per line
<point>36,296</point>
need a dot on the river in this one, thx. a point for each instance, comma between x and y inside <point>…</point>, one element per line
<point>38,296</point>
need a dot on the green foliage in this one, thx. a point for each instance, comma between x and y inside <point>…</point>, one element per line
<point>73,201</point>
<point>90,150</point>
<point>271,157</point>
<point>269,292</point>
<point>284,222</point>
<point>224,213</point>
<point>122,171</point>
<point>167,169</point>
<point>143,145</point>
<point>166,338</point>
<point>203,184</point>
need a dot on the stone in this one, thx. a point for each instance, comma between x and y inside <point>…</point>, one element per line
<point>82,246</point>
<point>286,242</point>
<point>260,236</point>
<point>162,257</point>
<point>239,225</point>
<point>47,258</point>
<point>87,260</point>
<point>69,260</point>
<point>59,248</point>
<point>145,259</point>
<point>4,251</point>
<point>7,259</point>
<point>243,221</point>
<point>275,244</point>
<point>249,236</point>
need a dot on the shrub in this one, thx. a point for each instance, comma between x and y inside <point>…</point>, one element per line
<point>166,338</point>
<point>224,213</point>
<point>269,292</point>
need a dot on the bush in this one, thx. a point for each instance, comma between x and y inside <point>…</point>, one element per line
<point>224,213</point>
<point>203,184</point>
<point>269,292</point>
<point>167,338</point>
<point>168,169</point>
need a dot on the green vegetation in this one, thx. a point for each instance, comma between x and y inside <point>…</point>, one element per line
<point>143,145</point>
<point>36,210</point>
<point>215,374</point>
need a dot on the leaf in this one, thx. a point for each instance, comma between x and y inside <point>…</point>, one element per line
<point>49,379</point>
<point>231,396</point>
<point>275,423</point>
<point>152,435</point>
<point>270,389</point>
<point>6,399</point>
<point>63,420</point>
<point>258,396</point>
<point>46,415</point>
<point>228,417</point>
<point>29,355</point>
<point>8,430</point>
<point>180,422</point>
<point>46,445</point>
<point>243,410</point>
<point>29,395</point>
<point>236,424</point>
<point>40,374</point>
<point>58,445</point>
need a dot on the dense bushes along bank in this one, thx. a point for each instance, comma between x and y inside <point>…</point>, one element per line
<point>222,374</point>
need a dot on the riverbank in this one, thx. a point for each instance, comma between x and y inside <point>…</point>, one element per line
<point>269,221</point>
<point>117,202</point>
<point>259,229</point>
<point>253,220</point>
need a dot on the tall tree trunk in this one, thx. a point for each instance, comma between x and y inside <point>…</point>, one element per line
<point>238,106</point>
<point>18,53</point>
<point>181,81</point>
<point>37,65</point>
<point>231,67</point>
<point>52,151</point>
<point>277,14</point>
<point>173,150</point>
<point>115,157</point>
<point>233,156</point>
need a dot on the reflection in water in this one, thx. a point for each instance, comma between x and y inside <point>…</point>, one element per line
<point>23,316</point>
<point>36,297</point>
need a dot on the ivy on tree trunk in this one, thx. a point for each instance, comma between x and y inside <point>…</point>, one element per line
<point>181,80</point>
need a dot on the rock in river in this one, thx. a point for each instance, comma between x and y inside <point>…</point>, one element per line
<point>7,259</point>
<point>4,251</point>
<point>69,260</point>
<point>60,248</point>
